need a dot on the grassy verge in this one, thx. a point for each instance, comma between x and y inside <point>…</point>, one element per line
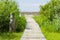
<point>51,35</point>
<point>10,36</point>
<point>47,34</point>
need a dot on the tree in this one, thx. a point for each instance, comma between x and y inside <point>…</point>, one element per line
<point>51,9</point>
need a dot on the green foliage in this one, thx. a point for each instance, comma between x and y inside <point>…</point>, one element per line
<point>50,30</point>
<point>11,36</point>
<point>7,7</point>
<point>51,9</point>
<point>20,24</point>
<point>50,16</point>
<point>4,16</point>
<point>50,35</point>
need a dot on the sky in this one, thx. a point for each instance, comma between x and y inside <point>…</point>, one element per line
<point>30,5</point>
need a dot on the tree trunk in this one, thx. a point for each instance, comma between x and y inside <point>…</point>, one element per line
<point>11,27</point>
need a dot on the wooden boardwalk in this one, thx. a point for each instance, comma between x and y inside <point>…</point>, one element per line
<point>32,31</point>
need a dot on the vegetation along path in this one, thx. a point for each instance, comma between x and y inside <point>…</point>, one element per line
<point>32,31</point>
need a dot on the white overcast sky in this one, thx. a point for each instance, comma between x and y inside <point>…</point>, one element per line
<point>30,5</point>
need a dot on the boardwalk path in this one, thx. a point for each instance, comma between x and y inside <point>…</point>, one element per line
<point>32,31</point>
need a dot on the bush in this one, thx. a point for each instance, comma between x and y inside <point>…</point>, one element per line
<point>49,20</point>
<point>4,16</point>
<point>7,7</point>
<point>49,16</point>
<point>20,24</point>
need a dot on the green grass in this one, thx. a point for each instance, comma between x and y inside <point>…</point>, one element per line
<point>10,36</point>
<point>49,35</point>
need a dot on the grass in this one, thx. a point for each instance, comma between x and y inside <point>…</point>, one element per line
<point>10,36</point>
<point>50,35</point>
<point>47,34</point>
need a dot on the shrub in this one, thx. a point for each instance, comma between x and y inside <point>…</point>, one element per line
<point>4,16</point>
<point>49,16</point>
<point>7,7</point>
<point>20,24</point>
